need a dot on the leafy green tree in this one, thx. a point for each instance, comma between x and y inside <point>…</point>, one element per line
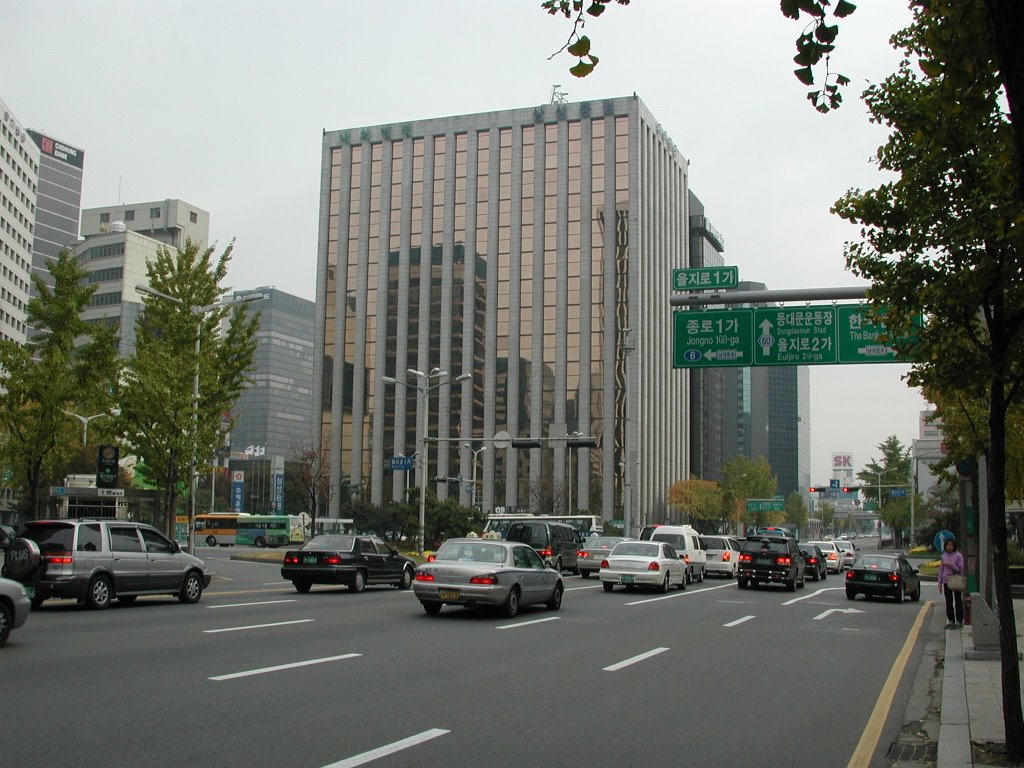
<point>67,365</point>
<point>700,501</point>
<point>157,414</point>
<point>796,510</point>
<point>827,514</point>
<point>942,240</point>
<point>743,479</point>
<point>892,470</point>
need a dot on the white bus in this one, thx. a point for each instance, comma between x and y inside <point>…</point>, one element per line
<point>587,525</point>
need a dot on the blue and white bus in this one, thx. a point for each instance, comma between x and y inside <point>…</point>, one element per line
<point>587,525</point>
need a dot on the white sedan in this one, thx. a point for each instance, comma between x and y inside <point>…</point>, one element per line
<point>834,556</point>
<point>643,564</point>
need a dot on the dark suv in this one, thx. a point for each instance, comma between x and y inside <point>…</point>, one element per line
<point>95,560</point>
<point>557,543</point>
<point>771,559</point>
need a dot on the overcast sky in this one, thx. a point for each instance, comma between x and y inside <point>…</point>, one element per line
<point>223,104</point>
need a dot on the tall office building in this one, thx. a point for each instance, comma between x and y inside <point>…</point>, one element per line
<point>115,253</point>
<point>526,256</point>
<point>274,409</point>
<point>19,173</point>
<point>59,202</point>
<point>707,385</point>
<point>789,427</point>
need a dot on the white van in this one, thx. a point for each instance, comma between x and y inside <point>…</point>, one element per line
<point>686,541</point>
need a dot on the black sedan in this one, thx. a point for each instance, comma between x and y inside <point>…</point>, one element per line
<point>816,562</point>
<point>883,575</point>
<point>354,561</point>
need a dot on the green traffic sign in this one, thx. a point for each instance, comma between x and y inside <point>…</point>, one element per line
<point>766,505</point>
<point>705,278</point>
<point>861,338</point>
<point>713,338</point>
<point>795,335</point>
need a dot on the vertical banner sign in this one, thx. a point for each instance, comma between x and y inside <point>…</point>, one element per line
<point>106,466</point>
<point>238,492</point>
<point>277,473</point>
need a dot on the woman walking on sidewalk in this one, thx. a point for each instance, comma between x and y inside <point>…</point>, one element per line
<point>952,563</point>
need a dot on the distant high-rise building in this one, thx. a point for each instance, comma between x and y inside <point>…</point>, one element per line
<point>529,251</point>
<point>168,221</point>
<point>59,201</point>
<point>115,256</point>
<point>707,385</point>
<point>19,174</point>
<point>274,410</point>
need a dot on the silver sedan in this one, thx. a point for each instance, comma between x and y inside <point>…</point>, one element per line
<point>14,607</point>
<point>643,564</point>
<point>593,551</point>
<point>484,573</point>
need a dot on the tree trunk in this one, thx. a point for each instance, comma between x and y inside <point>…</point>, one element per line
<point>1008,26</point>
<point>1013,721</point>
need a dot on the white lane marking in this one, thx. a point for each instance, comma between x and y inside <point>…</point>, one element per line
<point>279,667</point>
<point>274,583</point>
<point>256,626</point>
<point>527,623</point>
<point>813,594</point>
<point>245,605</point>
<point>634,660</point>
<point>591,586</point>
<point>388,749</point>
<point>824,615</point>
<point>679,594</point>
<point>738,621</point>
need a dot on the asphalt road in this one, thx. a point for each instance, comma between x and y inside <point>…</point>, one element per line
<point>258,675</point>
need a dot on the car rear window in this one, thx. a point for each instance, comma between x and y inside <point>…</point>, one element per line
<point>637,549</point>
<point>751,547</point>
<point>715,542</point>
<point>600,543</point>
<point>532,534</point>
<point>677,540</point>
<point>471,553</point>
<point>331,543</point>
<point>51,537</point>
<point>879,563</point>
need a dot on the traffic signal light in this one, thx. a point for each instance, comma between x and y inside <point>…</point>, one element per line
<point>582,441</point>
<point>526,442</point>
<point>818,488</point>
<point>851,488</point>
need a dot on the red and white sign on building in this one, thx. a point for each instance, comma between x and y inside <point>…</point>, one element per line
<point>842,465</point>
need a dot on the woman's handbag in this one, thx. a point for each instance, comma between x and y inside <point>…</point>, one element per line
<point>957,582</point>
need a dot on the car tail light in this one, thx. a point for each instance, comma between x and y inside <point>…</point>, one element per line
<point>784,560</point>
<point>59,559</point>
<point>431,558</point>
<point>421,576</point>
<point>849,575</point>
<point>291,559</point>
<point>654,566</point>
<point>604,563</point>
<point>546,552</point>
<point>894,577</point>
<point>582,553</point>
<point>726,556</point>
<point>684,558</point>
<point>831,555</point>
<point>746,558</point>
<point>487,578</point>
<point>332,560</point>
<point>812,560</point>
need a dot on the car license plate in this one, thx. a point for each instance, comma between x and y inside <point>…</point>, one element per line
<point>870,577</point>
<point>448,594</point>
<point>30,591</point>
<point>309,560</point>
<point>629,579</point>
<point>765,561</point>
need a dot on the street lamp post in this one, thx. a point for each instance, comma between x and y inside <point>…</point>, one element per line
<point>85,423</point>
<point>472,501</point>
<point>424,390</point>
<point>197,314</point>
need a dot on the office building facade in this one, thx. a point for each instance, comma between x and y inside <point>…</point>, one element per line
<point>19,173</point>
<point>58,203</point>
<point>169,221</point>
<point>526,255</point>
<point>273,411</point>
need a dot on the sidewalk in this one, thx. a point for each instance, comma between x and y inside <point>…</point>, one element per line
<point>971,709</point>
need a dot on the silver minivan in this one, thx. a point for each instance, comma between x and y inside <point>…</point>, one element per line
<point>94,561</point>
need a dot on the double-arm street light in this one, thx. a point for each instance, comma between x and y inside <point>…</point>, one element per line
<point>424,390</point>
<point>198,312</point>
<point>85,423</point>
